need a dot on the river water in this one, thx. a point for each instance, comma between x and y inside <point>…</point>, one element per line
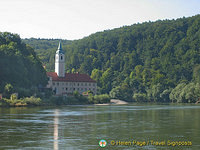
<point>135,126</point>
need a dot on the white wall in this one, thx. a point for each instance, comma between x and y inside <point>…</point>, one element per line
<point>70,87</point>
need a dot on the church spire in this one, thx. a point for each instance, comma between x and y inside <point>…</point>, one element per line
<point>60,61</point>
<point>60,46</point>
<point>59,51</point>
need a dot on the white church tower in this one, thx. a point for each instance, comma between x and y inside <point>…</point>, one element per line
<point>60,61</point>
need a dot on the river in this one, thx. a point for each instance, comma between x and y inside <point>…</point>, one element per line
<point>133,126</point>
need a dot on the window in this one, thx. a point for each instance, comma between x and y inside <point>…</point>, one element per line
<point>61,57</point>
<point>89,84</point>
<point>62,83</point>
<point>66,89</point>
<point>78,89</point>
<point>82,84</point>
<point>86,84</point>
<point>57,83</point>
<point>66,83</point>
<point>53,83</point>
<point>74,89</point>
<point>78,84</point>
<point>93,84</point>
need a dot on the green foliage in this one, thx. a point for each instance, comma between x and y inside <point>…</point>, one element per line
<point>140,97</point>
<point>19,65</point>
<point>69,100</point>
<point>155,92</point>
<point>96,75</point>
<point>106,81</point>
<point>32,101</point>
<point>27,101</point>
<point>196,74</point>
<point>13,97</point>
<point>122,92</point>
<point>99,99</point>
<point>44,44</point>
<point>164,96</point>
<point>8,90</point>
<point>116,92</point>
<point>76,94</point>
<point>141,62</point>
<point>45,49</point>
<point>177,94</point>
<point>185,93</point>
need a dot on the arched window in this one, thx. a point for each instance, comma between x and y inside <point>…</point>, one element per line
<point>61,57</point>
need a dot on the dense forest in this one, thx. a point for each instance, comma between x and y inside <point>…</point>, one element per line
<point>20,69</point>
<point>45,49</point>
<point>152,61</point>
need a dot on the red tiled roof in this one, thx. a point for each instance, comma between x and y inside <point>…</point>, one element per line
<point>70,77</point>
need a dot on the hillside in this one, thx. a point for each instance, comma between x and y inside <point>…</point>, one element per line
<point>45,49</point>
<point>20,69</point>
<point>44,44</point>
<point>152,61</point>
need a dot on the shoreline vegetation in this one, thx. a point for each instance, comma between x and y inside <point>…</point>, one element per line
<point>98,100</point>
<point>76,99</point>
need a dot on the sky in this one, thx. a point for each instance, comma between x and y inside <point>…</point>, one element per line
<point>75,19</point>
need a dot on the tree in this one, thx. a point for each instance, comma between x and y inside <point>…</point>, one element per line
<point>196,74</point>
<point>140,97</point>
<point>96,75</point>
<point>8,90</point>
<point>19,65</point>
<point>106,81</point>
<point>116,92</point>
<point>139,57</point>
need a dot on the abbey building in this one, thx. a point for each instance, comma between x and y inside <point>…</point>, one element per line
<point>66,83</point>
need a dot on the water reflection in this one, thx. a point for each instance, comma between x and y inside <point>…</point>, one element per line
<point>55,133</point>
<point>81,127</point>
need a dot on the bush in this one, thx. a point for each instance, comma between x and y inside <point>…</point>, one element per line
<point>23,92</point>
<point>13,97</point>
<point>32,101</point>
<point>140,97</point>
<point>185,93</point>
<point>8,89</point>
<point>104,98</point>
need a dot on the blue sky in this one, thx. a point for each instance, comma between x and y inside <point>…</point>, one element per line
<point>75,19</point>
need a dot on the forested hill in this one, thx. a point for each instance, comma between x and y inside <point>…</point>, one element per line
<point>44,44</point>
<point>20,69</point>
<point>45,49</point>
<point>152,61</point>
<point>144,61</point>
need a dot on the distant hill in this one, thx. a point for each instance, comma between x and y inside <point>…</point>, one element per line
<point>45,49</point>
<point>143,61</point>
<point>44,44</point>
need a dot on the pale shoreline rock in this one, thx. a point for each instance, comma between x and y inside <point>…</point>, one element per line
<point>113,102</point>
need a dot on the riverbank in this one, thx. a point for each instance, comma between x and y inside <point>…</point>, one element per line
<point>113,102</point>
<point>76,99</point>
